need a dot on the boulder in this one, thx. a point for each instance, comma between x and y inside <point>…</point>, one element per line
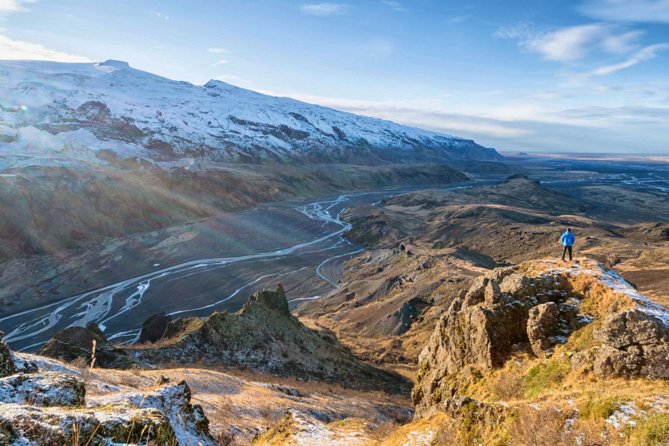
<point>635,344</point>
<point>584,360</point>
<point>518,284</point>
<point>492,294</point>
<point>187,421</point>
<point>541,327</point>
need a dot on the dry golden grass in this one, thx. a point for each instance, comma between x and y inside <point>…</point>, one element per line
<point>250,401</point>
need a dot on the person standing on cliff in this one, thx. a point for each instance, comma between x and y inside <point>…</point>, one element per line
<point>567,241</point>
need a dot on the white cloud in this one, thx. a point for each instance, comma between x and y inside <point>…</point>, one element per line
<point>642,55</point>
<point>215,50</point>
<point>14,5</point>
<point>572,43</point>
<point>629,11</point>
<point>11,49</point>
<point>395,5</point>
<point>526,125</point>
<point>324,9</point>
<point>427,114</point>
<point>220,62</point>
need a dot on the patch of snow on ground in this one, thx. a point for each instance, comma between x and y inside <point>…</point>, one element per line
<point>612,280</point>
<point>624,416</point>
<point>420,437</point>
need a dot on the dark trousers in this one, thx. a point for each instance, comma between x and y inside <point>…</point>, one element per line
<point>567,249</point>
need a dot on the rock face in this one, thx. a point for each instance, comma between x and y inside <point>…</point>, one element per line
<point>43,389</point>
<point>44,408</point>
<point>154,328</point>
<point>77,342</point>
<point>634,344</point>
<point>541,323</point>
<point>187,421</point>
<point>7,366</point>
<point>506,311</point>
<point>265,337</point>
<point>483,327</point>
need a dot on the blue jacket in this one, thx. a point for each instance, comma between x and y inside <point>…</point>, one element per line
<point>567,239</point>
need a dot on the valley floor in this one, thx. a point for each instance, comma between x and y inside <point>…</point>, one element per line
<point>383,271</point>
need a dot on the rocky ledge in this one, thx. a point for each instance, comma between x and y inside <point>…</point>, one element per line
<point>49,407</point>
<point>533,308</point>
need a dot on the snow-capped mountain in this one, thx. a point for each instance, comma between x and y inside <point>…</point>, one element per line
<point>56,112</point>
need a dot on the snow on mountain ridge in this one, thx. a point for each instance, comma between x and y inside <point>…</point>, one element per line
<point>130,109</point>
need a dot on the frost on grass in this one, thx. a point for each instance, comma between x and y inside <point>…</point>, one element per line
<point>43,402</point>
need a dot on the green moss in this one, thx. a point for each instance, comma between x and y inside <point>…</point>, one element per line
<point>654,431</point>
<point>544,376</point>
<point>598,408</point>
<point>469,425</point>
<point>582,339</point>
<point>422,368</point>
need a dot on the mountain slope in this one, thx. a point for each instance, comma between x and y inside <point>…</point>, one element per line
<point>265,337</point>
<point>55,112</point>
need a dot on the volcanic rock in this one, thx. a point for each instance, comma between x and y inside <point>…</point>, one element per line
<point>77,342</point>
<point>636,344</point>
<point>7,366</point>
<point>265,337</point>
<point>537,312</point>
<point>154,328</point>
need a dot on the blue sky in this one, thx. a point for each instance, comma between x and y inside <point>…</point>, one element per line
<point>551,75</point>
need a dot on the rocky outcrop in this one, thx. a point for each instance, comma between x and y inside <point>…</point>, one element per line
<point>43,389</point>
<point>508,311</point>
<point>77,342</point>
<point>550,324</point>
<point>491,320</point>
<point>154,328</point>
<point>7,366</point>
<point>187,421</point>
<point>634,344</point>
<point>265,337</point>
<point>540,325</point>
<point>48,407</point>
<point>485,326</point>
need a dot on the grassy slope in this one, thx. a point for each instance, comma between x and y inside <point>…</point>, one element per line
<point>530,400</point>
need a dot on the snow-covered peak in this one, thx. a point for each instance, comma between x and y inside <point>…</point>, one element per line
<point>115,63</point>
<point>135,113</point>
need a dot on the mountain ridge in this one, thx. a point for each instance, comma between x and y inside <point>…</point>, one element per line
<point>79,111</point>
